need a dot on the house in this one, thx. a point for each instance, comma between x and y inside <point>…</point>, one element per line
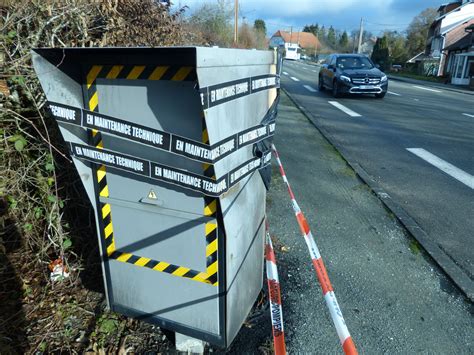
<point>446,30</point>
<point>306,40</point>
<point>367,47</point>
<point>460,54</point>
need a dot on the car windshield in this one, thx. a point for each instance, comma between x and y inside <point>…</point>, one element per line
<point>354,63</point>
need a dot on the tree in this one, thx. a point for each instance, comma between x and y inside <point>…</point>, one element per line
<point>314,29</point>
<point>322,34</point>
<point>214,21</point>
<point>344,41</point>
<point>259,26</point>
<point>397,47</point>
<point>417,32</point>
<point>380,53</point>
<point>331,38</point>
<point>259,31</point>
<point>247,36</point>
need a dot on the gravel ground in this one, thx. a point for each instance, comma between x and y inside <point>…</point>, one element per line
<point>394,299</point>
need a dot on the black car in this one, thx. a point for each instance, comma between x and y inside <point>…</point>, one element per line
<point>352,74</point>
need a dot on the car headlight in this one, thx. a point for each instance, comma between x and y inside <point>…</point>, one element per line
<point>383,78</point>
<point>345,78</point>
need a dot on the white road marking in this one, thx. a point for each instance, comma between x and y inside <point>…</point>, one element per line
<point>423,88</point>
<point>285,73</point>
<point>458,174</point>
<point>393,93</point>
<point>314,71</point>
<point>307,87</point>
<point>468,115</point>
<point>416,99</point>
<point>344,109</point>
<point>294,79</point>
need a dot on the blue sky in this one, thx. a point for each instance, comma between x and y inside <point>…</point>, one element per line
<point>342,14</point>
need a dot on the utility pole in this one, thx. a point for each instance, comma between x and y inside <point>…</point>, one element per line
<point>236,18</point>
<point>291,33</point>
<point>360,35</point>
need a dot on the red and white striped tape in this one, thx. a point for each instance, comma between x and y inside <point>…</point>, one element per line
<point>275,297</point>
<point>328,292</point>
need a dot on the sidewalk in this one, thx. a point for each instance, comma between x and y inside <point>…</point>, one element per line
<point>391,295</point>
<point>449,87</point>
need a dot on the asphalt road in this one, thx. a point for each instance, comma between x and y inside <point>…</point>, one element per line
<point>437,126</point>
<point>393,298</point>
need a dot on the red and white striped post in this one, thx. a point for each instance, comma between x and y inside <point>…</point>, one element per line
<point>275,296</point>
<point>328,292</point>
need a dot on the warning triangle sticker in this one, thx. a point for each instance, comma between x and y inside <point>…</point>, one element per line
<point>152,195</point>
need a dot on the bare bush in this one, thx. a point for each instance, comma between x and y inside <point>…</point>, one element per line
<point>44,213</point>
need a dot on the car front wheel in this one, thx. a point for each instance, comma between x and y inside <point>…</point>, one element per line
<point>335,89</point>
<point>320,84</point>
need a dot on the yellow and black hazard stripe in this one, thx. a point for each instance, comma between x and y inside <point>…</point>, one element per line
<point>148,72</point>
<point>161,266</point>
<point>100,176</point>
<point>211,227</point>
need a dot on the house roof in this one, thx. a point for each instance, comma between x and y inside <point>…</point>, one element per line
<point>457,8</point>
<point>463,43</point>
<point>304,39</point>
<point>457,36</point>
<point>452,5</point>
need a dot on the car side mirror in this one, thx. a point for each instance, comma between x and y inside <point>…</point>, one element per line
<point>377,66</point>
<point>331,67</point>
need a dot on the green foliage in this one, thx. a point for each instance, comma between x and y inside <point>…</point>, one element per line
<point>322,33</point>
<point>331,37</point>
<point>418,31</point>
<point>12,202</point>
<point>397,47</point>
<point>49,167</point>
<point>19,142</point>
<point>380,53</point>
<point>67,243</point>
<point>260,26</point>
<point>314,29</point>
<point>344,41</point>
<point>43,346</point>
<point>107,326</point>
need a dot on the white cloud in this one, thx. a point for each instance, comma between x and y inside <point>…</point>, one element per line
<point>296,8</point>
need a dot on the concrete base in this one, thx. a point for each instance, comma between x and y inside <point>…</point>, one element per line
<point>189,345</point>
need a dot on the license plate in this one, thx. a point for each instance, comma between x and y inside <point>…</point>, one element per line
<point>367,87</point>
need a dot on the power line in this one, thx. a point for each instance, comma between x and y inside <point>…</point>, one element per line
<point>388,24</point>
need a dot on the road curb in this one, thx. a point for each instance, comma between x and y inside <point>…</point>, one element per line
<point>428,83</point>
<point>439,257</point>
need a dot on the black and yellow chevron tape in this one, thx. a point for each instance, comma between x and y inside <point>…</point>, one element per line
<point>101,173</point>
<point>210,210</point>
<point>161,266</point>
<point>146,73</point>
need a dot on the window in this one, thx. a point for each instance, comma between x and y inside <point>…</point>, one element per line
<point>449,66</point>
<point>354,63</point>
<point>460,65</point>
<point>466,69</point>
